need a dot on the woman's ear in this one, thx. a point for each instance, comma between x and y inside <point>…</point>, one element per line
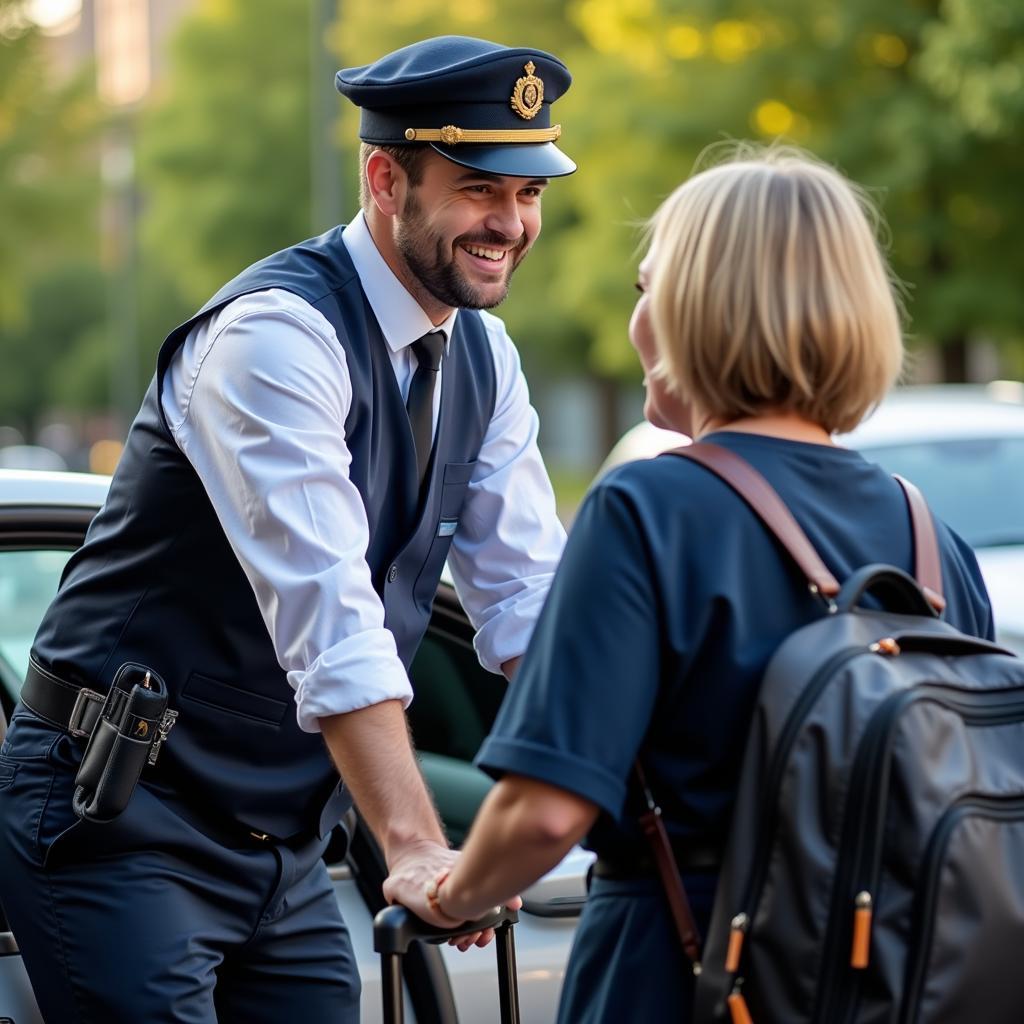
<point>386,181</point>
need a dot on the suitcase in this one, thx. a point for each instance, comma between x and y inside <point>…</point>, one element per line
<point>395,928</point>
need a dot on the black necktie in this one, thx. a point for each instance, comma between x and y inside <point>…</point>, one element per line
<point>420,403</point>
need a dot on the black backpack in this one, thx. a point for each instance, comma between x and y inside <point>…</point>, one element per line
<point>875,866</point>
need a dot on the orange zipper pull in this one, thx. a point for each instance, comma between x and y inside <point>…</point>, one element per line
<point>738,1009</point>
<point>736,934</point>
<point>861,930</point>
<point>887,645</point>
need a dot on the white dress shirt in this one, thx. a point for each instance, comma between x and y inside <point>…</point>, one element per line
<point>257,398</point>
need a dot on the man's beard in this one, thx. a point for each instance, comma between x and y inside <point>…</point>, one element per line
<point>432,260</point>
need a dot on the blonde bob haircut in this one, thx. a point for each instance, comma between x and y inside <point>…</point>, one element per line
<point>769,292</point>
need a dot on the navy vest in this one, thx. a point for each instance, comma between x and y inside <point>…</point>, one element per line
<point>156,580</point>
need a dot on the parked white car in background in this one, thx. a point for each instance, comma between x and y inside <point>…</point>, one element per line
<point>963,445</point>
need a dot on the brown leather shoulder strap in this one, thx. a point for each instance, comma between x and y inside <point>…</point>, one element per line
<point>671,881</point>
<point>927,566</point>
<point>761,497</point>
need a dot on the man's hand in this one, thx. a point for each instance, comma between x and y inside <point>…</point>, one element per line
<point>414,873</point>
<point>372,750</point>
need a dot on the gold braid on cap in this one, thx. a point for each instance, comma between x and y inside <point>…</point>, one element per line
<point>450,135</point>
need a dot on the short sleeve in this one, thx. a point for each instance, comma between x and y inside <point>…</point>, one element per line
<point>968,605</point>
<point>577,711</point>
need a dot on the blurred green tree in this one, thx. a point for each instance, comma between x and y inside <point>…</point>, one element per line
<point>49,184</point>
<point>916,100</point>
<point>49,209</point>
<point>972,58</point>
<point>224,152</point>
<point>921,101</point>
<point>64,309</point>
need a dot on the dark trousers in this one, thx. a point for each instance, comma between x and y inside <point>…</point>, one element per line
<point>148,920</point>
<point>627,963</point>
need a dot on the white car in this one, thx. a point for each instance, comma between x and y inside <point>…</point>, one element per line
<point>963,445</point>
<point>43,518</point>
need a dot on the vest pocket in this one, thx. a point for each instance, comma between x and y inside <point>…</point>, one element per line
<point>453,488</point>
<point>232,699</point>
<point>453,496</point>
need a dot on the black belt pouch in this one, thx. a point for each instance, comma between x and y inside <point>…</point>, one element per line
<point>120,744</point>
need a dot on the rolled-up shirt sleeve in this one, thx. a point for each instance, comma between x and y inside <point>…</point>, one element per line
<point>257,401</point>
<point>509,539</point>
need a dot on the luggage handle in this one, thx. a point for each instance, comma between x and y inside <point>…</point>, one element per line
<point>395,928</point>
<point>762,498</point>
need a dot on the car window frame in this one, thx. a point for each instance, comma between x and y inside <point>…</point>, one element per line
<point>34,526</point>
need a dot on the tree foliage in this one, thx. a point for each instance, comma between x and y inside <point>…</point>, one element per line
<point>225,148</point>
<point>48,200</point>
<point>49,211</point>
<point>922,101</point>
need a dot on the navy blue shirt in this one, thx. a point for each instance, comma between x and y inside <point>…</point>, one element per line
<point>669,601</point>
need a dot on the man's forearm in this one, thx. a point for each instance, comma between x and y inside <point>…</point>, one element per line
<point>373,753</point>
<point>511,667</point>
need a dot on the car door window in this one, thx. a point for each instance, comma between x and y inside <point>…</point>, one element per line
<point>28,581</point>
<point>975,485</point>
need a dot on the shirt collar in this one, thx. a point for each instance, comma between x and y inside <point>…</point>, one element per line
<point>401,318</point>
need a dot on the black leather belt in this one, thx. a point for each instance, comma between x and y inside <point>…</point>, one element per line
<point>690,855</point>
<point>76,709</point>
<point>61,703</point>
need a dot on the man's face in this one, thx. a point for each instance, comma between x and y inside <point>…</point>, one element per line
<point>462,232</point>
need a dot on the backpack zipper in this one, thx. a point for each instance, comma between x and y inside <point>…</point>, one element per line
<point>769,792</point>
<point>1008,808</point>
<point>857,873</point>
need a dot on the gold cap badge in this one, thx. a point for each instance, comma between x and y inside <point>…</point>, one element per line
<point>528,94</point>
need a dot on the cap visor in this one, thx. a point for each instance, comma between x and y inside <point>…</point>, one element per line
<point>519,160</point>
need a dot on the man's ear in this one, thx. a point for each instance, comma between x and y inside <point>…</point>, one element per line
<point>386,181</point>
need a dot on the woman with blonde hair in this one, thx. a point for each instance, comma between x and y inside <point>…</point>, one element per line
<point>767,321</point>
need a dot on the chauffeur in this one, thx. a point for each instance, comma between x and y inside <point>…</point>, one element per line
<point>318,438</point>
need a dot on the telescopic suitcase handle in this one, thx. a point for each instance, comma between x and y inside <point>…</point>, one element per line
<point>395,928</point>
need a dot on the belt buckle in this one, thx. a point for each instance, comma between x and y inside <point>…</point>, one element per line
<point>82,700</point>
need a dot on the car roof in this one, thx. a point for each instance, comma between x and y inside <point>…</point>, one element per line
<point>943,413</point>
<point>939,412</point>
<point>35,487</point>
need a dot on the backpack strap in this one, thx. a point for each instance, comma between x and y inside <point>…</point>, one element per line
<point>743,478</point>
<point>927,566</point>
<point>668,870</point>
<point>750,485</point>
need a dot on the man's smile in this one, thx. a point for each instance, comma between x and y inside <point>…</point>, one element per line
<point>494,255</point>
<point>485,258</point>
